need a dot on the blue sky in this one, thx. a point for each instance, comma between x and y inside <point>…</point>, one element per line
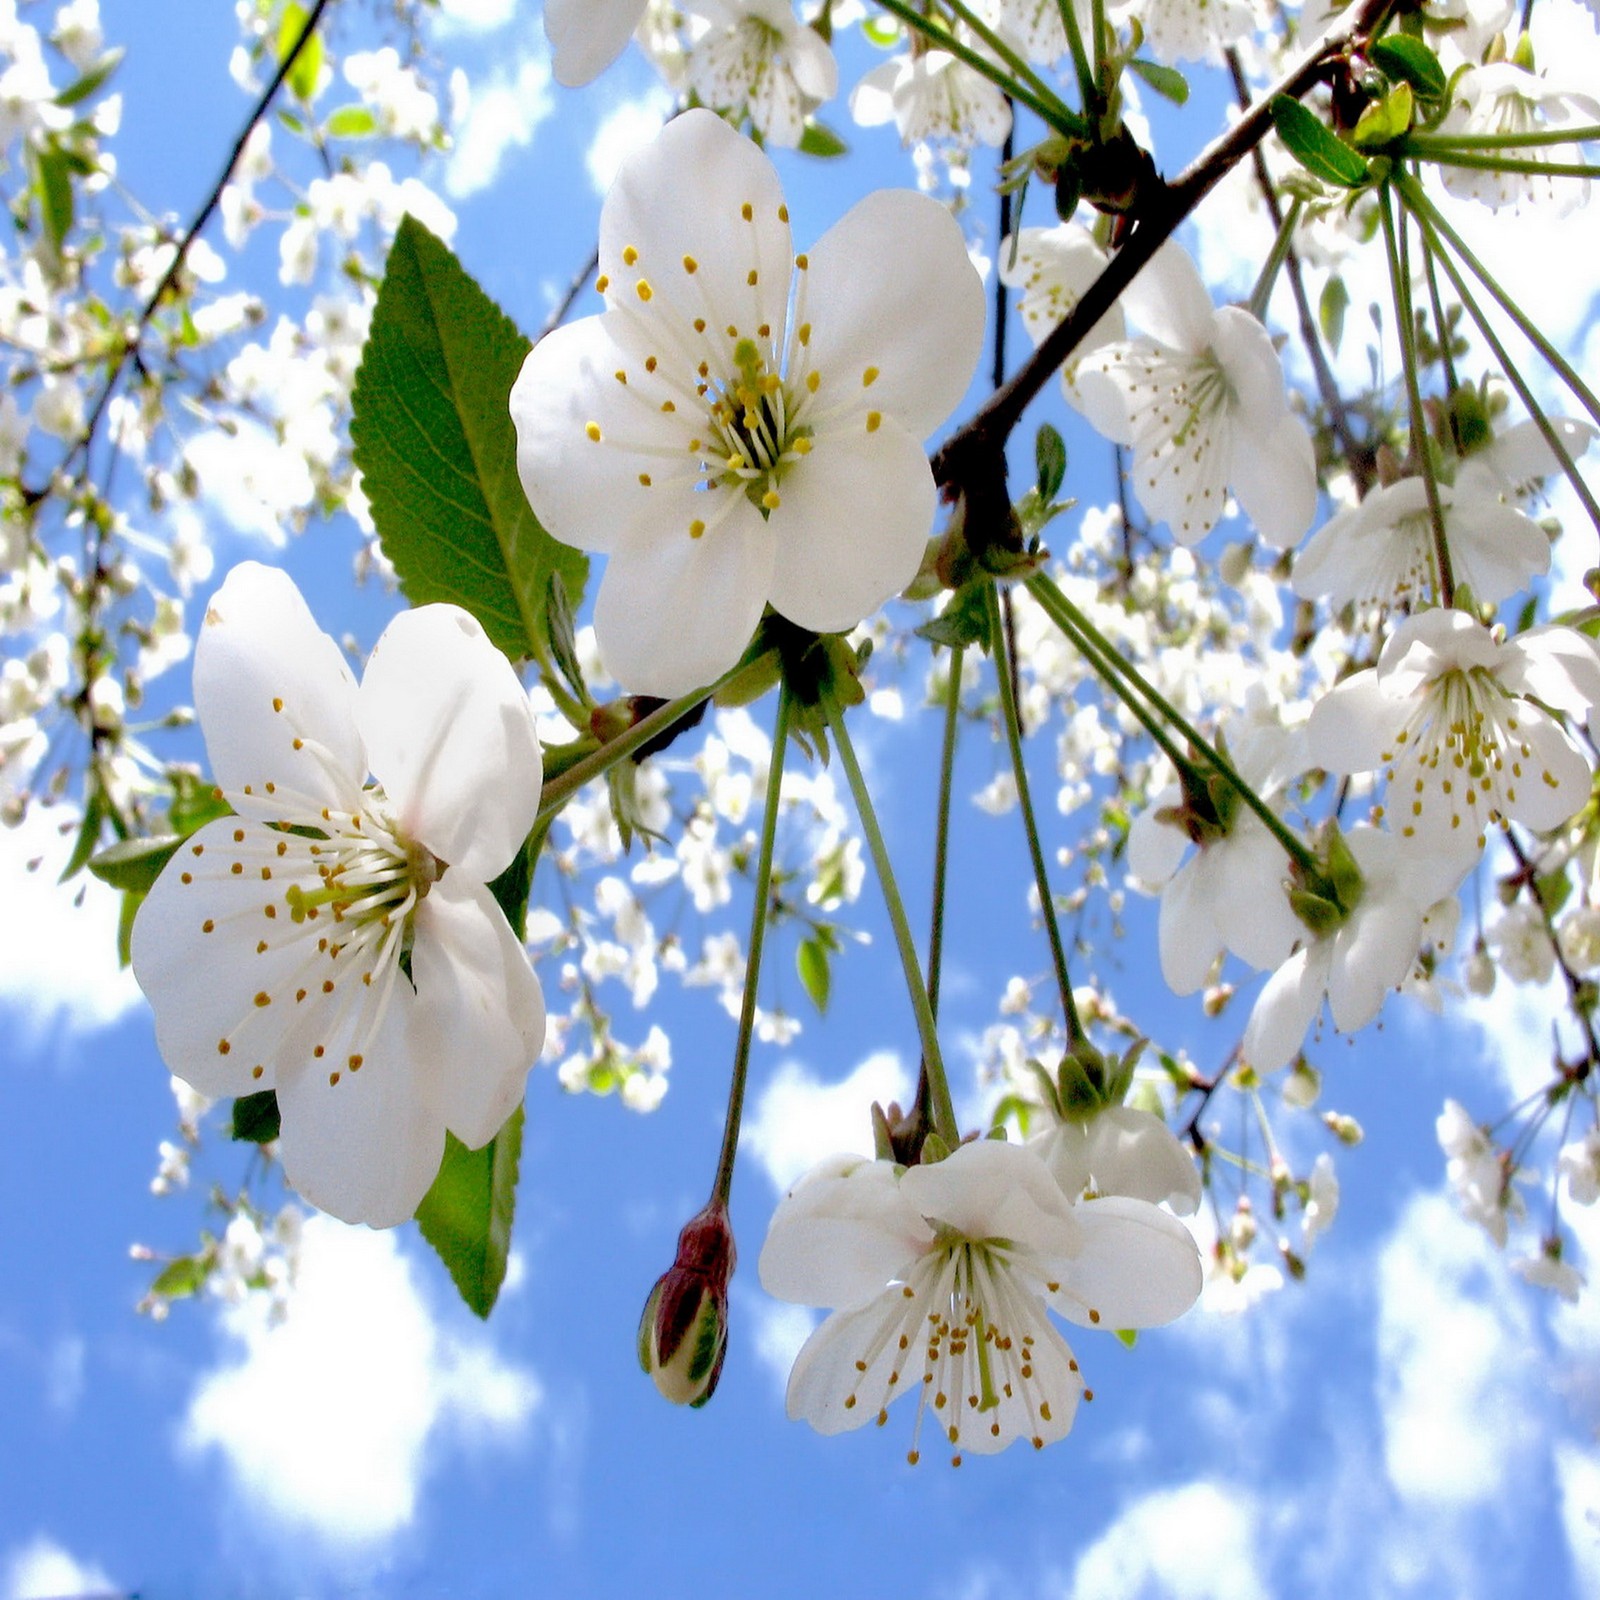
<point>1410,1421</point>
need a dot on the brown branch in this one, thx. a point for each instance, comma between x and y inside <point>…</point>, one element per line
<point>971,463</point>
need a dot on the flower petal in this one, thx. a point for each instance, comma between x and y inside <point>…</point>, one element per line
<point>275,696</point>
<point>450,736</point>
<point>1286,1007</point>
<point>852,528</point>
<point>1170,303</point>
<point>992,1190</point>
<point>586,36</point>
<point>1274,478</point>
<point>872,320</point>
<point>479,1017</point>
<point>674,613</point>
<point>1139,1267</point>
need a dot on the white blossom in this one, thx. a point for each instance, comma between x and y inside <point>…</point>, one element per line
<point>932,96</point>
<point>744,425</point>
<point>334,940</point>
<point>758,57</point>
<point>586,36</point>
<point>940,1277</point>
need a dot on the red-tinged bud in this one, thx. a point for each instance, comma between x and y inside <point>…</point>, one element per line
<point>683,1333</point>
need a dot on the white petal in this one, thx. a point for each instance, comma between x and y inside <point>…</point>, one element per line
<point>586,36</point>
<point>1372,953</point>
<point>826,1384</point>
<point>1352,727</point>
<point>840,1235</point>
<point>685,194</point>
<point>852,528</point>
<point>676,612</point>
<point>450,736</point>
<point>1139,1267</point>
<point>989,1189</point>
<point>1135,1154</point>
<point>1274,478</point>
<point>364,1146</point>
<point>1187,928</point>
<point>479,1017</point>
<point>873,280</point>
<point>1155,848</point>
<point>1286,1007</point>
<point>1170,303</point>
<point>266,677</point>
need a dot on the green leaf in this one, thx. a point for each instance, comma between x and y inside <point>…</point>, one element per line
<point>438,454</point>
<point>818,139</point>
<point>74,93</point>
<point>1050,461</point>
<point>308,64</point>
<point>964,621</point>
<point>1409,60</point>
<point>1331,309</point>
<point>181,1278</point>
<point>1385,120</point>
<point>811,959</point>
<point>133,865</point>
<point>351,122</point>
<point>1319,151</point>
<point>194,803</point>
<point>255,1118</point>
<point>1166,81</point>
<point>466,1215</point>
<point>52,183</point>
<point>563,635</point>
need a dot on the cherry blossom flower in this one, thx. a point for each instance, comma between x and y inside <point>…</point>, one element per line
<point>1475,1172</point>
<point>1036,25</point>
<point>758,57</point>
<point>1356,963</point>
<point>586,36</point>
<point>1548,1271</point>
<point>1579,1164</point>
<point>941,1276</point>
<point>1121,1150</point>
<point>1053,267</point>
<point>934,96</point>
<point>1446,714</point>
<point>1188,30</point>
<point>1380,553</point>
<point>334,940</point>
<point>744,424</point>
<point>1201,400</point>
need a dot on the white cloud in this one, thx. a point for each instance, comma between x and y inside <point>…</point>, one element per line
<point>1455,1345</point>
<point>780,1330</point>
<point>503,112</point>
<point>1578,1474</point>
<point>327,1420</point>
<point>58,942</point>
<point>799,1121</point>
<point>474,16</point>
<point>41,1569</point>
<point>632,125</point>
<point>1197,1542</point>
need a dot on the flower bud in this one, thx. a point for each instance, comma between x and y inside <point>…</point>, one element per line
<point>683,1333</point>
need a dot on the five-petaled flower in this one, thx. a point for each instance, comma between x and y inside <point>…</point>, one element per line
<point>744,424</point>
<point>941,1276</point>
<point>334,940</point>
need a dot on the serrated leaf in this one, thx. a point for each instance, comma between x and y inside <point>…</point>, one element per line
<point>74,93</point>
<point>1409,60</point>
<point>466,1215</point>
<point>818,139</point>
<point>437,452</point>
<point>1166,81</point>
<point>134,864</point>
<point>308,64</point>
<point>351,122</point>
<point>1050,461</point>
<point>811,961</point>
<point>53,186</point>
<point>1315,147</point>
<point>255,1118</point>
<point>1334,303</point>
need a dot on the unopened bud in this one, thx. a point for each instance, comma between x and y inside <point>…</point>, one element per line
<point>1302,1086</point>
<point>683,1333</point>
<point>1345,1129</point>
<point>1242,1227</point>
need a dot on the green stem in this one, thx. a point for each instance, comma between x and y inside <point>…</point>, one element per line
<point>1513,376</point>
<point>1262,293</point>
<point>1050,109</point>
<point>1426,144</point>
<point>1411,192</point>
<point>1491,163</point>
<point>559,790</point>
<point>1078,627</point>
<point>752,970</point>
<point>1088,89</point>
<point>944,1112</point>
<point>1019,64</point>
<point>1406,332</point>
<point>941,835</point>
<point>1005,671</point>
